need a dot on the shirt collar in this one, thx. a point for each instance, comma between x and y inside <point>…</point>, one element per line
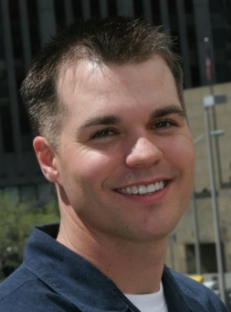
<point>172,293</point>
<point>70,275</point>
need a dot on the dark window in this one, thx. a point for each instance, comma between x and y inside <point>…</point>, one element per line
<point>192,43</point>
<point>138,8</point>
<point>112,7</point>
<point>208,258</point>
<point>95,9</point>
<point>77,8</point>
<point>59,14</point>
<point>7,129</point>
<point>172,8</point>
<point>34,26</point>
<point>156,16</point>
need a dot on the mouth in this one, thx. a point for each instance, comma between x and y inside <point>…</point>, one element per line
<point>143,189</point>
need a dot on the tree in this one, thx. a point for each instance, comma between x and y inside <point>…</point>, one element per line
<point>16,222</point>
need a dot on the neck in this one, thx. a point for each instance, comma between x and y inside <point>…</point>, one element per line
<point>135,267</point>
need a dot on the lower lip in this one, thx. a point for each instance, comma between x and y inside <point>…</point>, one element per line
<point>147,198</point>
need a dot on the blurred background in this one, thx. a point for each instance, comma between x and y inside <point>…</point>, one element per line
<point>201,244</point>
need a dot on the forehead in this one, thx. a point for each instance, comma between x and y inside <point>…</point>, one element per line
<point>90,83</point>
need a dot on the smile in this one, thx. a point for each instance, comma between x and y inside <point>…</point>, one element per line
<point>142,189</point>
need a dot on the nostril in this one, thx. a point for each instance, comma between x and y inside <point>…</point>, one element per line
<point>144,153</point>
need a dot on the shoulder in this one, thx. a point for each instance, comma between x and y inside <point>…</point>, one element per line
<point>16,291</point>
<point>22,291</point>
<point>194,293</point>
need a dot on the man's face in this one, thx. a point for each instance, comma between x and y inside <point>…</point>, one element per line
<point>125,160</point>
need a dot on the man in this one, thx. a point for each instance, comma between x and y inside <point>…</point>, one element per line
<point>106,103</point>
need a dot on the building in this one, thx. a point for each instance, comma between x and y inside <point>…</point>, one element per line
<point>182,241</point>
<point>26,25</point>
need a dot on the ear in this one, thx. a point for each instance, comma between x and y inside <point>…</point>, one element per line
<point>46,158</point>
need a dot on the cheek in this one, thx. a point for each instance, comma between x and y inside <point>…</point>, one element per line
<point>95,165</point>
<point>181,153</point>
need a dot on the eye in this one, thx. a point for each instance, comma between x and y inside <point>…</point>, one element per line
<point>103,133</point>
<point>166,123</point>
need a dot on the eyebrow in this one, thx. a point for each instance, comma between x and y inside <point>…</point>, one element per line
<point>172,109</point>
<point>97,121</point>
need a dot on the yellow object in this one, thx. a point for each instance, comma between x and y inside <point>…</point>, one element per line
<point>198,278</point>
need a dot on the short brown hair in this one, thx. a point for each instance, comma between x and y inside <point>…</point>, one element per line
<point>118,40</point>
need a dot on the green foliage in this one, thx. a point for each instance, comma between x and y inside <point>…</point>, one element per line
<point>17,219</point>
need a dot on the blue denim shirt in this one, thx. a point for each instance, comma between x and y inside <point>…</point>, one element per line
<point>53,278</point>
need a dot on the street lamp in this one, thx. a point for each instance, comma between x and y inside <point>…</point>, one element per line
<point>195,221</point>
<point>208,102</point>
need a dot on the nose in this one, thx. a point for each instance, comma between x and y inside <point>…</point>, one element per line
<point>144,153</point>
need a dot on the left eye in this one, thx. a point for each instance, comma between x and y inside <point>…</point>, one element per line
<point>164,124</point>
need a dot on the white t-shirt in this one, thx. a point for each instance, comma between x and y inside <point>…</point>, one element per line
<point>154,302</point>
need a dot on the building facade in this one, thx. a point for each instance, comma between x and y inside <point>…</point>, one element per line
<point>182,252</point>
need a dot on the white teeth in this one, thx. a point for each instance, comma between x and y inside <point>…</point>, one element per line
<point>142,189</point>
<point>134,190</point>
<point>128,190</point>
<point>157,186</point>
<point>151,188</point>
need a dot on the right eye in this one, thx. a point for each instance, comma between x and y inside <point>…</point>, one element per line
<point>103,133</point>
